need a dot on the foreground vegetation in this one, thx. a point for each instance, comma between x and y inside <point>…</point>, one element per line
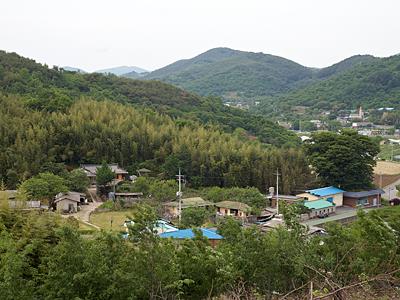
<point>40,258</point>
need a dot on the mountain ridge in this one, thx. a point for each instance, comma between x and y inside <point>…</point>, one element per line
<point>234,74</point>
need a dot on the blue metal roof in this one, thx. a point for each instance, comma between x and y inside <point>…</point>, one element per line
<point>325,191</point>
<point>318,204</point>
<point>189,234</point>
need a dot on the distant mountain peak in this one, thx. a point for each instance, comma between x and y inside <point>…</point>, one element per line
<point>122,70</point>
<point>73,69</point>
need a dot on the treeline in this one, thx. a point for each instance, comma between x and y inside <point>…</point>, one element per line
<point>56,90</point>
<point>92,132</point>
<point>41,258</point>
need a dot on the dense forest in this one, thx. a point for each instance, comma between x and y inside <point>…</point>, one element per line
<point>91,131</point>
<point>372,85</point>
<point>43,257</point>
<point>55,90</point>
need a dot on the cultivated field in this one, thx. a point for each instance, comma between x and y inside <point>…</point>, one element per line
<point>387,167</point>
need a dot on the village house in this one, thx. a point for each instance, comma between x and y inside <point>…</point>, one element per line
<point>172,208</point>
<point>232,208</point>
<point>68,202</point>
<point>331,194</point>
<point>320,208</point>
<point>277,222</point>
<point>213,237</point>
<point>363,199</point>
<point>388,184</point>
<point>91,169</point>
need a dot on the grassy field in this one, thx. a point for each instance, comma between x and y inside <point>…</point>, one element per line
<point>85,227</point>
<point>103,219</point>
<point>388,150</point>
<point>390,214</point>
<point>387,167</point>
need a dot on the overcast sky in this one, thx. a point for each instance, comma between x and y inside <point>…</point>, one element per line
<point>95,34</point>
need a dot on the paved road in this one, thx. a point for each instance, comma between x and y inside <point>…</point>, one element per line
<point>341,213</point>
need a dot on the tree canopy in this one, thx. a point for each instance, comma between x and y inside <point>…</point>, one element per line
<point>344,159</point>
<point>43,186</point>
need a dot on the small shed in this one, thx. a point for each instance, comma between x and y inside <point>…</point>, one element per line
<point>288,199</point>
<point>68,202</point>
<point>128,197</point>
<point>233,208</point>
<point>172,208</point>
<point>363,198</point>
<point>320,208</point>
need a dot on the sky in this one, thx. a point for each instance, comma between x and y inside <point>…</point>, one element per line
<point>97,34</point>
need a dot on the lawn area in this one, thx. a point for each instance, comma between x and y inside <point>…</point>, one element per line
<point>103,219</point>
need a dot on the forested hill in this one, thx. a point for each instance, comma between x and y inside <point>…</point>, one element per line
<point>55,90</point>
<point>374,84</point>
<point>95,131</point>
<point>230,73</point>
<point>237,75</point>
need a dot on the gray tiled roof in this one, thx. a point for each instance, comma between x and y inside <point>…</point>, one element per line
<point>92,168</point>
<point>363,193</point>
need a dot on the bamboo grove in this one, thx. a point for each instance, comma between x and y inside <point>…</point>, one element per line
<point>92,132</point>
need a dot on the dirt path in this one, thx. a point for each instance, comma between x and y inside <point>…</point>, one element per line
<point>84,214</point>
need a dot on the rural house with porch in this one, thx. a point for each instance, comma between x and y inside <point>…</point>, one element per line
<point>91,170</point>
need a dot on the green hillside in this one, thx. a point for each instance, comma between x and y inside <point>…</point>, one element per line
<point>232,73</point>
<point>56,90</point>
<point>239,75</point>
<point>373,84</point>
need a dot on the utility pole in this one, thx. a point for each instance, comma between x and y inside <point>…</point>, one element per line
<point>277,191</point>
<point>179,194</point>
<point>392,151</point>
